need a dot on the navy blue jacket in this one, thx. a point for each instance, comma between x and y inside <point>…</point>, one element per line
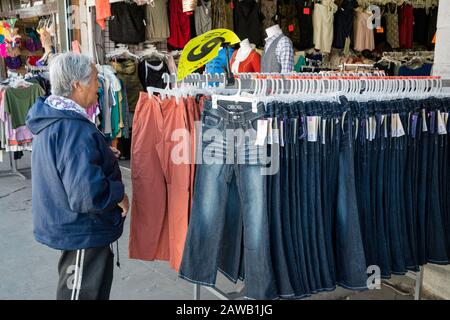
<point>76,181</point>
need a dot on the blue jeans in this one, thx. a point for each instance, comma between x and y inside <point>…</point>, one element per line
<point>350,256</point>
<point>212,187</point>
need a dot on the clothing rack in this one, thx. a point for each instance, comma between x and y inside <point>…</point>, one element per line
<point>247,81</point>
<point>13,171</point>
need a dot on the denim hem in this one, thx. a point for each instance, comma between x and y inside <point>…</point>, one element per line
<point>294,297</point>
<point>227,276</point>
<point>329,289</point>
<point>197,282</point>
<point>351,287</point>
<point>248,298</point>
<point>399,273</point>
<point>438,262</point>
<point>413,268</point>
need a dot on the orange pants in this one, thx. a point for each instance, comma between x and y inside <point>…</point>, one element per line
<point>161,151</point>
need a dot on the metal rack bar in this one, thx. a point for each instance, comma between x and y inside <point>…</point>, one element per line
<point>14,171</point>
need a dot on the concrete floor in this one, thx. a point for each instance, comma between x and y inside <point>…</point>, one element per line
<point>28,270</point>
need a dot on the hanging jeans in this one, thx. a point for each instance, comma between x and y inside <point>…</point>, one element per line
<point>229,155</point>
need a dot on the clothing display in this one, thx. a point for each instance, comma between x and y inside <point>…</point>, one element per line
<point>150,73</point>
<point>288,20</point>
<point>247,21</point>
<point>127,73</point>
<point>113,108</point>
<point>219,63</point>
<point>268,11</point>
<point>323,20</point>
<point>305,11</point>
<point>421,21</point>
<point>406,26</point>
<point>278,55</point>
<point>306,225</point>
<point>343,23</point>
<point>127,24</point>
<point>17,102</point>
<point>160,183</point>
<point>180,25</point>
<point>203,20</point>
<point>363,35</point>
<point>157,21</point>
<point>392,27</point>
<point>247,62</point>
<point>222,14</point>
<point>102,12</point>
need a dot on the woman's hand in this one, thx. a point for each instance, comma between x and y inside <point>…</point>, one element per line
<point>125,205</point>
<point>116,152</point>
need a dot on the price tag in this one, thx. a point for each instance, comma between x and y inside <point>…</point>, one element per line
<point>441,124</point>
<point>324,126</point>
<point>291,28</point>
<point>232,5</point>
<point>424,121</point>
<point>313,125</point>
<point>261,134</point>
<point>397,126</point>
<point>306,11</point>
<point>276,132</point>
<point>270,131</point>
<point>380,30</point>
<point>282,133</point>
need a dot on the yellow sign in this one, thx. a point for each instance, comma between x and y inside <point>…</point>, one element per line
<point>202,49</point>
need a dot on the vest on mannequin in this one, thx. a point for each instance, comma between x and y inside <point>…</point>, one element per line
<point>278,52</point>
<point>246,59</point>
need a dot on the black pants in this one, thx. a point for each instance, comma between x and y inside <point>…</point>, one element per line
<point>91,268</point>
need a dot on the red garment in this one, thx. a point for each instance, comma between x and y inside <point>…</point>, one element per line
<point>102,11</point>
<point>180,25</point>
<point>31,60</point>
<point>406,26</point>
<point>251,64</point>
<point>161,169</point>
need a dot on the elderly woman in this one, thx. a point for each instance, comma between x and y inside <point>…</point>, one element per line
<point>78,199</point>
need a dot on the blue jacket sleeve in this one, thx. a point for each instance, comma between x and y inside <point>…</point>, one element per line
<point>88,189</point>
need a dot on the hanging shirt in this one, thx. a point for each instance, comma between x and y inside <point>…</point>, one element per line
<point>268,10</point>
<point>18,101</point>
<point>127,73</point>
<point>157,28</point>
<point>343,23</point>
<point>406,26</point>
<point>222,14</point>
<point>102,11</point>
<point>219,63</point>
<point>180,25</point>
<point>392,35</point>
<point>203,21</point>
<point>421,21</point>
<point>323,20</point>
<point>305,11</point>
<point>150,73</point>
<point>363,36</point>
<point>127,24</point>
<point>247,21</point>
<point>250,63</point>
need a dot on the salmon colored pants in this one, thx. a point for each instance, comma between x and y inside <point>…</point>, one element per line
<point>162,177</point>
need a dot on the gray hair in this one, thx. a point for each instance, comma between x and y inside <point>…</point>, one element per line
<point>67,68</point>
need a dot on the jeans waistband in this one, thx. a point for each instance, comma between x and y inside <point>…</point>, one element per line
<point>235,111</point>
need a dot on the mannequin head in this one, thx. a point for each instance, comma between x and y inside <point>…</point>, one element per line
<point>274,30</point>
<point>245,44</point>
